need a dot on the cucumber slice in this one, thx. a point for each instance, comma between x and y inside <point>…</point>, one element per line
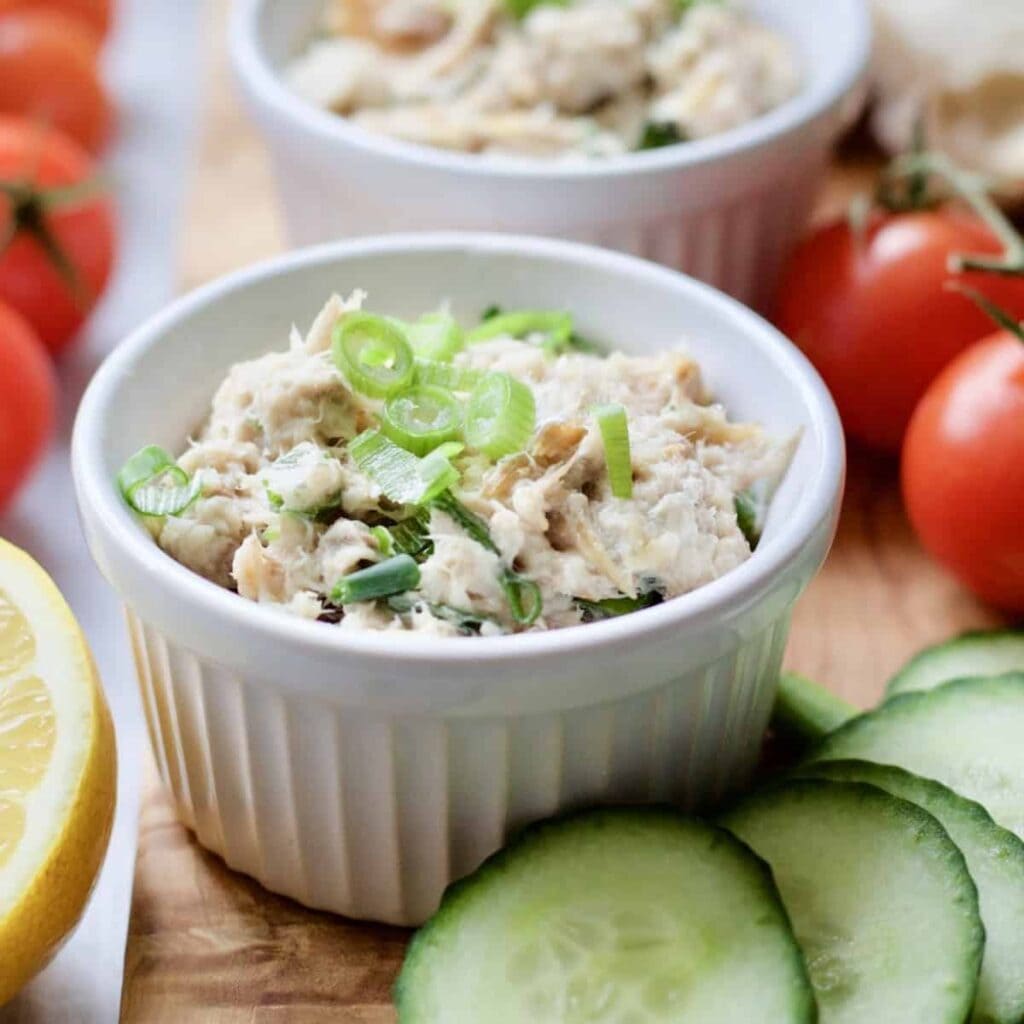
<point>880,898</point>
<point>616,916</point>
<point>805,712</point>
<point>970,655</point>
<point>995,859</point>
<point>968,734</point>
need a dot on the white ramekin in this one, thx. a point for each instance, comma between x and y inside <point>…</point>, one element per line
<point>362,772</point>
<point>726,209</point>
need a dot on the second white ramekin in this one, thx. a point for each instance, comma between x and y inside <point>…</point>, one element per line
<point>361,773</point>
<point>725,209</point>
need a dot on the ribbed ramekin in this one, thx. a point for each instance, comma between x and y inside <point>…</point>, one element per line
<point>725,209</point>
<point>361,773</point>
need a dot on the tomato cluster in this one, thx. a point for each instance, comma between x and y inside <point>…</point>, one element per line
<point>884,309</point>
<point>57,232</point>
<point>49,69</point>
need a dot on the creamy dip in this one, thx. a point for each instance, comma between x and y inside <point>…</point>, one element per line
<point>580,78</point>
<point>282,508</point>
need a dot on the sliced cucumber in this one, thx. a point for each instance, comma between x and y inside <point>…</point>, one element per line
<point>611,916</point>
<point>804,712</point>
<point>973,654</point>
<point>995,859</point>
<point>880,898</point>
<point>968,734</point>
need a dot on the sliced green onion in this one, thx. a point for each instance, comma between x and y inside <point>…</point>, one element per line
<point>156,499</point>
<point>393,576</point>
<point>685,6</point>
<point>555,326</point>
<point>404,478</point>
<point>614,426</point>
<point>384,541</point>
<point>467,623</point>
<point>445,375</point>
<point>501,416</point>
<point>153,484</point>
<point>290,481</point>
<point>580,344</point>
<point>435,336</point>
<point>469,521</point>
<point>421,418</point>
<point>748,516</point>
<point>521,8</point>
<point>613,607</point>
<point>373,354</point>
<point>412,536</point>
<point>523,596</point>
<point>658,134</point>
<point>145,465</point>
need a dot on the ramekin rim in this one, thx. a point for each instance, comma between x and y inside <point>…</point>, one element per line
<point>739,587</point>
<point>256,74</point>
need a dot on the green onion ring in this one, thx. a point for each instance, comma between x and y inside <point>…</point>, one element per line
<point>445,375</point>
<point>153,484</point>
<point>435,336</point>
<point>614,426</point>
<point>420,418</point>
<point>501,416</point>
<point>373,354</point>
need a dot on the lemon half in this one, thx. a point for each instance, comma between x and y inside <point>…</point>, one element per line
<point>58,770</point>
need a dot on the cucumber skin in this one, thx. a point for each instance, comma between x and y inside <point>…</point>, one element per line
<point>461,891</point>
<point>875,774</point>
<point>903,680</point>
<point>805,712</point>
<point>925,822</point>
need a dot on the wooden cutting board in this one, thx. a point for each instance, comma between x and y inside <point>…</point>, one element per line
<point>208,945</point>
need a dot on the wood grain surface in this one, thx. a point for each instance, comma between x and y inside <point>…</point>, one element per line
<point>209,945</point>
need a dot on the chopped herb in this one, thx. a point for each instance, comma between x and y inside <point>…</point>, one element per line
<point>748,516</point>
<point>490,313</point>
<point>523,595</point>
<point>467,623</point>
<point>521,8</point>
<point>393,576</point>
<point>580,344</point>
<point>383,540</point>
<point>153,484</point>
<point>658,134</point>
<point>685,6</point>
<point>412,536</point>
<point>467,520</point>
<point>613,607</point>
<point>403,477</point>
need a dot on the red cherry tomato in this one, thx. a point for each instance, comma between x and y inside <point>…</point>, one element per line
<point>874,315</point>
<point>963,469</point>
<point>48,72</point>
<point>59,259</point>
<point>28,400</point>
<point>97,14</point>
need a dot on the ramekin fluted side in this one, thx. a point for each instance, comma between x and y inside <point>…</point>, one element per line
<point>371,815</point>
<point>736,242</point>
